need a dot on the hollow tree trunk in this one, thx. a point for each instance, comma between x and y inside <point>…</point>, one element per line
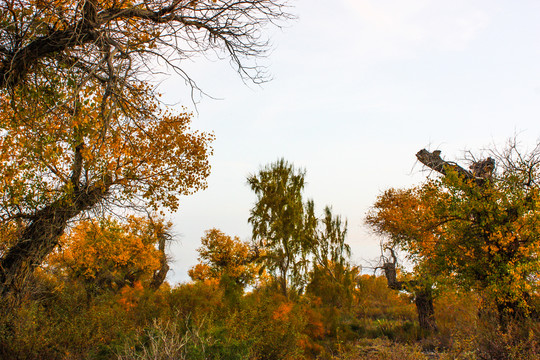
<point>41,236</point>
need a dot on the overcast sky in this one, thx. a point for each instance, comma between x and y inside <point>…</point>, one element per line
<point>359,86</point>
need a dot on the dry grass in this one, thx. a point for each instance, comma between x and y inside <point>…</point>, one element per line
<point>382,349</point>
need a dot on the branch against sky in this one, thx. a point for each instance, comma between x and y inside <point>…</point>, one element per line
<point>118,40</point>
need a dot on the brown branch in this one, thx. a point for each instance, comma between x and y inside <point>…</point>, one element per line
<point>235,24</point>
<point>17,64</point>
<point>13,68</point>
<point>159,275</point>
<point>77,166</point>
<point>480,170</point>
<point>434,161</point>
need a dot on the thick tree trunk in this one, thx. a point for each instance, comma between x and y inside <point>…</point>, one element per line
<point>423,300</point>
<point>390,272</point>
<point>41,236</point>
<point>434,161</point>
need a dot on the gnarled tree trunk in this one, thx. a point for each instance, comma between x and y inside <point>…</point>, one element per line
<point>423,297</point>
<point>480,170</point>
<point>41,235</point>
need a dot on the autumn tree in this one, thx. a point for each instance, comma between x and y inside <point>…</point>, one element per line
<point>115,42</point>
<point>57,170</point>
<point>406,220</point>
<point>82,130</point>
<point>478,228</point>
<point>108,254</point>
<point>490,226</point>
<point>225,258</point>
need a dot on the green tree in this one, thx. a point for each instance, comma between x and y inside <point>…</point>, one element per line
<point>292,239</point>
<point>331,247</point>
<point>279,220</point>
<point>490,239</point>
<point>332,277</point>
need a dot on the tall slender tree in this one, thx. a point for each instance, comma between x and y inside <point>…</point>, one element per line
<point>278,220</point>
<point>294,240</point>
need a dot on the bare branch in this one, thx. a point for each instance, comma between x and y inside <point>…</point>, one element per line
<point>229,26</point>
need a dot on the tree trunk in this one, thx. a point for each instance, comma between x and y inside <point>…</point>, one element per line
<point>480,170</point>
<point>391,276</point>
<point>41,235</point>
<point>424,306</point>
<point>423,298</point>
<point>159,276</point>
<point>434,161</point>
<point>390,272</point>
<point>283,285</point>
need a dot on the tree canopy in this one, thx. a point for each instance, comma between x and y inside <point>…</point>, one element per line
<point>478,229</point>
<point>108,254</point>
<point>223,256</point>
<point>282,225</point>
<point>58,163</point>
<point>82,127</point>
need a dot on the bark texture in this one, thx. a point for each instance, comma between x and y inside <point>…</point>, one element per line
<point>479,170</point>
<point>41,236</point>
<point>423,299</point>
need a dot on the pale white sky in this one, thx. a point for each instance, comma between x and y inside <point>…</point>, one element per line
<point>359,86</point>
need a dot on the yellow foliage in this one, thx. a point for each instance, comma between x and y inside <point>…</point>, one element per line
<point>221,255</point>
<point>129,295</point>
<point>282,312</point>
<point>110,254</point>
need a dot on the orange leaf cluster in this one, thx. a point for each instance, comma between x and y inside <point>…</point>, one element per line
<point>109,254</point>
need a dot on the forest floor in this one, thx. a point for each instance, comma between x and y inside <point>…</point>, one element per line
<point>383,349</point>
